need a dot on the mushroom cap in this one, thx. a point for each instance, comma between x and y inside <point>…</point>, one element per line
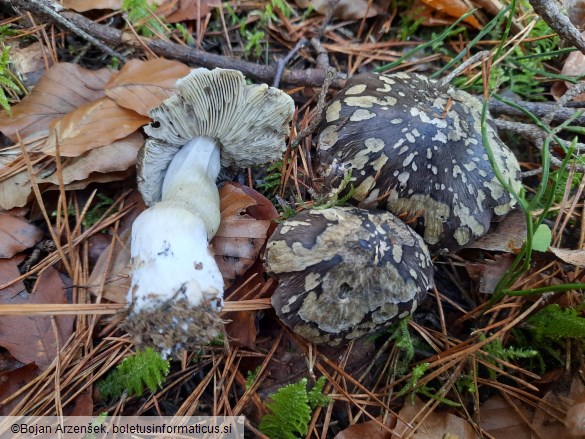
<point>250,123</point>
<point>415,148</point>
<point>345,272</point>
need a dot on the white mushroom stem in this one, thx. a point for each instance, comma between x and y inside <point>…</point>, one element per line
<point>171,259</point>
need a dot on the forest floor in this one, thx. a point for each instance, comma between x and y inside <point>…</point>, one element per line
<point>495,349</point>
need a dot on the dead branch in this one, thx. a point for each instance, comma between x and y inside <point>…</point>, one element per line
<point>550,12</point>
<point>115,37</point>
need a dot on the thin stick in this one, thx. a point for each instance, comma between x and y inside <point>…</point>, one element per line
<point>52,10</point>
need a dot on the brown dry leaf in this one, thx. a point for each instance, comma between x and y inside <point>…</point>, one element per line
<point>16,235</point>
<point>118,156</point>
<point>191,9</point>
<point>344,9</point>
<point>11,382</point>
<point>87,5</point>
<point>544,421</point>
<point>369,429</point>
<point>32,338</point>
<point>241,329</point>
<point>573,257</point>
<point>453,8</point>
<point>92,125</point>
<point>575,420</point>
<point>14,191</point>
<point>28,62</point>
<point>489,273</point>
<point>117,279</point>
<point>62,89</point>
<point>509,235</point>
<point>8,272</point>
<point>576,12</point>
<point>574,66</point>
<point>240,237</point>
<point>143,85</point>
<point>83,404</point>
<point>434,426</point>
<point>501,420</point>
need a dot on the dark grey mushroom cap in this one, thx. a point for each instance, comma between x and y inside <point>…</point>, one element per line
<point>415,148</point>
<point>250,123</point>
<point>346,272</point>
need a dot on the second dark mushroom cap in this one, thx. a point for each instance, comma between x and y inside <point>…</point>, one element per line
<point>415,148</point>
<point>346,272</point>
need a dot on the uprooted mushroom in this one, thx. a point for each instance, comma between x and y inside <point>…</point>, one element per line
<point>214,122</point>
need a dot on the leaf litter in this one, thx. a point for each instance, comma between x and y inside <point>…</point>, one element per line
<point>76,110</point>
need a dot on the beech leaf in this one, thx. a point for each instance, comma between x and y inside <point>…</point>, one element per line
<point>32,338</point>
<point>143,85</point>
<point>92,125</point>
<point>16,235</point>
<point>118,156</point>
<point>62,89</point>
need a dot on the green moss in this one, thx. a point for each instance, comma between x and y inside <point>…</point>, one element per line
<point>556,323</point>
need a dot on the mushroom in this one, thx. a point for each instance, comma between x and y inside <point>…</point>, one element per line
<point>345,272</point>
<point>213,121</point>
<point>414,147</point>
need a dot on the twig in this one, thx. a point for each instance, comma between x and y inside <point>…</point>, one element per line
<point>539,109</point>
<point>315,121</point>
<point>167,49</point>
<point>550,12</point>
<point>52,10</point>
<point>480,56</point>
<point>537,136</point>
<point>322,55</point>
<point>328,16</point>
<point>281,63</point>
<point>575,90</point>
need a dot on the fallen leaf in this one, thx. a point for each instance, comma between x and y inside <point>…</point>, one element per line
<point>576,12</point>
<point>143,85</point>
<point>62,89</point>
<point>574,66</point>
<point>82,404</point>
<point>87,5</point>
<point>117,279</point>
<point>455,9</point>
<point>434,425</point>
<point>16,235</point>
<point>32,338</point>
<point>509,235</point>
<point>118,156</point>
<point>28,62</point>
<point>544,422</point>
<point>92,125</point>
<point>575,420</point>
<point>240,236</point>
<point>191,10</point>
<point>573,257</point>
<point>11,382</point>
<point>344,9</point>
<point>96,177</point>
<point>490,272</point>
<point>8,272</point>
<point>369,429</point>
<point>503,421</point>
